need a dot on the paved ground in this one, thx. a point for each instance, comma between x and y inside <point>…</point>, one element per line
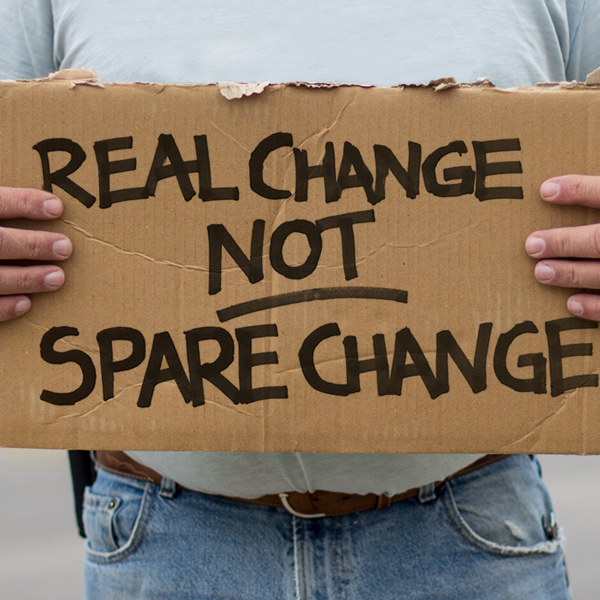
<point>41,555</point>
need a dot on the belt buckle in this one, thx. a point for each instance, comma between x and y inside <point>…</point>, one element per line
<point>285,502</point>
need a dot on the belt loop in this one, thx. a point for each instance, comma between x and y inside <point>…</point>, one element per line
<point>383,501</point>
<point>285,502</point>
<point>427,493</point>
<point>168,488</point>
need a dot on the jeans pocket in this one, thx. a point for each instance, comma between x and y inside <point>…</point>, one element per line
<point>504,509</point>
<point>115,523</point>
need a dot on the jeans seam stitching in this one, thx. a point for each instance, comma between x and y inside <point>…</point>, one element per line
<point>335,559</point>
<point>303,561</point>
<point>296,566</point>
<point>343,561</point>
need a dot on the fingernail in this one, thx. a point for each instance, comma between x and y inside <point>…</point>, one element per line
<point>53,207</point>
<point>544,273</point>
<point>63,247</point>
<point>534,245</point>
<point>55,279</point>
<point>575,307</point>
<point>23,306</point>
<point>549,189</point>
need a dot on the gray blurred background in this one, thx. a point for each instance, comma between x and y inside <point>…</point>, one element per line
<point>41,554</point>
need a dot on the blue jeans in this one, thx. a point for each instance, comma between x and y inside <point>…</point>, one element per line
<point>482,537</point>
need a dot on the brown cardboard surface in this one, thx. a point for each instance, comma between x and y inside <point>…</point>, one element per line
<point>354,297</point>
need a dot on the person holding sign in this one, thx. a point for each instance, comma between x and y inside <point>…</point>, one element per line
<point>221,525</point>
<point>568,257</point>
<point>16,282</point>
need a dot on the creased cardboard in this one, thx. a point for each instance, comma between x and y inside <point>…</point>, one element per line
<point>302,269</point>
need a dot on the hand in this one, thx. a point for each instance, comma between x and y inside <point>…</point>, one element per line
<point>571,255</point>
<point>20,244</point>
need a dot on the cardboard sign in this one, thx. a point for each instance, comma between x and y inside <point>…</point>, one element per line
<point>328,270</point>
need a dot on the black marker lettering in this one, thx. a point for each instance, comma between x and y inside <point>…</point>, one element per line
<point>386,161</point>
<point>559,384</point>
<point>345,224</point>
<point>352,159</point>
<point>257,162</point>
<point>167,149</point>
<point>212,371</point>
<point>313,236</point>
<point>382,365</point>
<point>219,238</point>
<point>355,367</point>
<point>475,373</point>
<point>207,192</point>
<point>60,178</point>
<point>485,169</point>
<point>464,174</point>
<point>108,365</point>
<point>407,344</point>
<point>106,168</point>
<point>53,357</point>
<point>537,383</point>
<point>163,348</point>
<point>249,359</point>
<point>309,369</point>
<point>326,170</point>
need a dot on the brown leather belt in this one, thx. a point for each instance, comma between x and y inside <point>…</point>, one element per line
<point>308,504</point>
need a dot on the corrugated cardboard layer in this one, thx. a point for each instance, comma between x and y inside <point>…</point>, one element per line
<point>354,296</point>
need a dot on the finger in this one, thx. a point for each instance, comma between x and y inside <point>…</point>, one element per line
<point>23,244</point>
<point>29,204</point>
<point>13,306</point>
<point>569,273</point>
<point>586,306</point>
<point>565,242</point>
<point>572,189</point>
<point>28,280</point>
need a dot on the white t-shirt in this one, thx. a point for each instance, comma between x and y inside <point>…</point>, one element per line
<point>381,42</point>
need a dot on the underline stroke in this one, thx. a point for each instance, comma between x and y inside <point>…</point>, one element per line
<point>367,293</point>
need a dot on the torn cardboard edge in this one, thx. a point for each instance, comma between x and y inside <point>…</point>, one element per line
<point>593,78</point>
<point>232,90</point>
<point>77,77</point>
